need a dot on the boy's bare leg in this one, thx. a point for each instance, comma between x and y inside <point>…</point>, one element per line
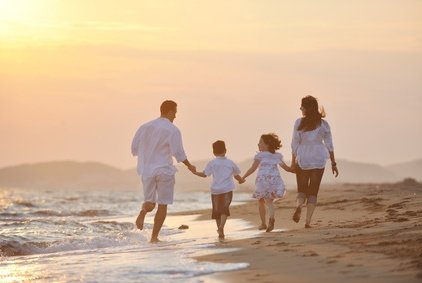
<point>159,218</point>
<point>146,207</point>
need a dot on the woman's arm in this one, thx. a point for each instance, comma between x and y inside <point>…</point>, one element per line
<point>328,141</point>
<point>293,163</point>
<point>333,164</point>
<point>255,165</point>
<point>295,144</point>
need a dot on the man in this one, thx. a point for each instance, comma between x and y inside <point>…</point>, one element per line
<point>155,143</point>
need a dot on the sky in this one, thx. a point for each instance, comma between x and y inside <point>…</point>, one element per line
<point>77,78</point>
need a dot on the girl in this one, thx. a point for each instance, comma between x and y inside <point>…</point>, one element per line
<point>269,184</point>
<point>312,145</point>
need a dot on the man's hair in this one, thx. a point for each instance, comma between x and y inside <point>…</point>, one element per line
<point>219,147</point>
<point>167,106</point>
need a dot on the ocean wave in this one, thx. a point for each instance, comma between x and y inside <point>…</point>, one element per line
<point>16,248</point>
<point>94,212</point>
<point>10,214</point>
<point>83,213</point>
<point>113,225</point>
<point>24,203</point>
<point>12,247</point>
<point>71,199</point>
<point>49,213</point>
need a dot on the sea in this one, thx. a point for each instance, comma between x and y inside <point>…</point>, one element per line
<point>90,236</point>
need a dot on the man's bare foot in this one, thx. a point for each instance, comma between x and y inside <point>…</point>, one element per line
<point>140,219</point>
<point>154,240</point>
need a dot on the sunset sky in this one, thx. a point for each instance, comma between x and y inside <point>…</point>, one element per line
<point>78,77</point>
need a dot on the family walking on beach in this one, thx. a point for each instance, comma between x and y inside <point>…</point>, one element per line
<point>158,141</point>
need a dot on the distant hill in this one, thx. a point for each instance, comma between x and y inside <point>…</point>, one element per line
<point>67,175</point>
<point>408,169</point>
<point>94,175</point>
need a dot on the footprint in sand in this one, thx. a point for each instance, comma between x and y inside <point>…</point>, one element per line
<point>337,256</point>
<point>279,244</point>
<point>401,219</point>
<point>398,205</point>
<point>411,213</point>
<point>310,253</point>
<point>331,261</point>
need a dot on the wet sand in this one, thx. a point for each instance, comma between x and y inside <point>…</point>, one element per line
<point>360,233</point>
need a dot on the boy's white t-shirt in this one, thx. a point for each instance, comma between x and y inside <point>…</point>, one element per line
<point>222,171</point>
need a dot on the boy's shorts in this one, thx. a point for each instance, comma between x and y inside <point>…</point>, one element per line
<point>159,189</point>
<point>221,204</point>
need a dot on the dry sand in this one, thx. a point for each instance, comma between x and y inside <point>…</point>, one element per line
<point>361,233</point>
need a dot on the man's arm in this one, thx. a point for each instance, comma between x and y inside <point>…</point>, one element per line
<point>190,166</point>
<point>135,143</point>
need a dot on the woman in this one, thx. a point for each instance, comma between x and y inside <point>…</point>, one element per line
<point>312,145</point>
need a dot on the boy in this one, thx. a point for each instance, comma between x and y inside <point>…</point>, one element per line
<point>222,171</point>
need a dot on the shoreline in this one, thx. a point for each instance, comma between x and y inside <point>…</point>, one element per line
<point>360,233</point>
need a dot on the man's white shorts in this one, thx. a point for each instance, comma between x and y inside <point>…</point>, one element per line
<point>159,189</point>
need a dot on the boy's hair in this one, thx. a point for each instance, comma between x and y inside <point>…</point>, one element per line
<point>272,141</point>
<point>219,147</point>
<point>167,106</point>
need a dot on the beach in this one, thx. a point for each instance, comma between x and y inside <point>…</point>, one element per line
<point>90,236</point>
<point>360,233</point>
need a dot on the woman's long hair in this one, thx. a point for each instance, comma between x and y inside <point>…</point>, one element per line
<point>312,118</point>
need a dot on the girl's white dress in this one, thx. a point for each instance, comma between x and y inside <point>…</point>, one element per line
<point>269,184</point>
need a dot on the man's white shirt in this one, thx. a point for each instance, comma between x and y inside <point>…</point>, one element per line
<point>155,143</point>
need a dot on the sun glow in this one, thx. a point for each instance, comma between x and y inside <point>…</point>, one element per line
<point>22,21</point>
<point>19,10</point>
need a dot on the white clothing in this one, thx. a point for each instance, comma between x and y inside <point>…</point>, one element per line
<point>155,143</point>
<point>222,171</point>
<point>159,189</point>
<point>269,184</point>
<point>312,148</point>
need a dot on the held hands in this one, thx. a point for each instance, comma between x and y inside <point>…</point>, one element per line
<point>291,169</point>
<point>239,179</point>
<point>192,168</point>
